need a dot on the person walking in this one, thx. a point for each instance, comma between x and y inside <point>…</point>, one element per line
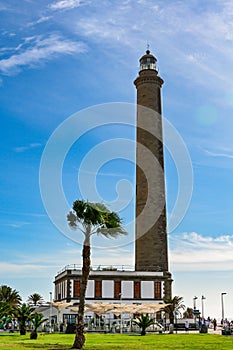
<point>186,326</point>
<point>214,324</point>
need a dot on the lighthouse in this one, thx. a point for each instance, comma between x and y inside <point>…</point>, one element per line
<point>151,251</point>
<point>149,281</point>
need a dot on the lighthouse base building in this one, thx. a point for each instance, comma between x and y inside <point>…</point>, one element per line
<point>114,283</point>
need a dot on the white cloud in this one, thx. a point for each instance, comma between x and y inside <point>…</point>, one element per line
<point>188,252</point>
<point>65,4</point>
<point>199,41</point>
<point>18,224</point>
<point>223,155</point>
<point>36,50</point>
<point>11,270</point>
<point>21,149</point>
<point>47,265</point>
<point>40,20</point>
<point>194,252</point>
<point>43,19</point>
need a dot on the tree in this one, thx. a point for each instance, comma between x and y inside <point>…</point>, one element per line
<point>90,218</point>
<point>35,299</point>
<point>5,309</point>
<point>144,321</point>
<point>24,314</point>
<point>6,312</point>
<point>176,304</point>
<point>9,299</point>
<point>37,320</point>
<point>10,296</point>
<point>188,313</point>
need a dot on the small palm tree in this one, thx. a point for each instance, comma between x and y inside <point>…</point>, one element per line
<point>175,304</point>
<point>90,218</point>
<point>37,320</point>
<point>35,299</point>
<point>10,296</point>
<point>143,322</point>
<point>24,314</point>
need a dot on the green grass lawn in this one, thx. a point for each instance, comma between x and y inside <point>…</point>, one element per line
<point>118,341</point>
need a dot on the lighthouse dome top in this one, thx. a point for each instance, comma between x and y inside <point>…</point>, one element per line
<point>148,61</point>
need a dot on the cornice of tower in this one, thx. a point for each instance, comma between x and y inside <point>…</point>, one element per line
<point>148,78</point>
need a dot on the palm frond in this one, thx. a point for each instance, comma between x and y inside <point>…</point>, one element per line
<point>97,216</point>
<point>72,219</point>
<point>37,319</point>
<point>111,232</point>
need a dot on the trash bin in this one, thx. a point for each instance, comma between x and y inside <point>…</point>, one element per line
<point>204,329</point>
<point>226,332</point>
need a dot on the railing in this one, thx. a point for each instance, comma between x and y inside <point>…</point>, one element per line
<point>99,268</point>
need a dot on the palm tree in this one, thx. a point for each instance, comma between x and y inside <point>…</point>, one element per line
<point>24,314</point>
<point>176,304</point>
<point>188,313</point>
<point>9,300</point>
<point>5,309</point>
<point>90,218</point>
<point>6,312</point>
<point>35,299</point>
<point>37,320</point>
<point>144,321</point>
<point>10,296</point>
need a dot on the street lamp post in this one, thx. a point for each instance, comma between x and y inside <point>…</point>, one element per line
<point>120,295</point>
<point>202,307</point>
<point>50,313</point>
<point>194,303</point>
<point>222,294</point>
<point>194,309</point>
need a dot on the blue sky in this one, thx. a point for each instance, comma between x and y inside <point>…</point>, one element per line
<point>60,57</point>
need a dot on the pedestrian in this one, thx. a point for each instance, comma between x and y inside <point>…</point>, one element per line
<point>199,322</point>
<point>186,326</point>
<point>207,322</point>
<point>225,324</point>
<point>214,324</point>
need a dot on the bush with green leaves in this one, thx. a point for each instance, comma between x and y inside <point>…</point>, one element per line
<point>24,314</point>
<point>37,320</point>
<point>143,322</point>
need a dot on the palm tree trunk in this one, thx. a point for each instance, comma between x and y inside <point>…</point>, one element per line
<point>80,337</point>
<point>22,329</point>
<point>143,332</point>
<point>33,334</point>
<point>171,314</point>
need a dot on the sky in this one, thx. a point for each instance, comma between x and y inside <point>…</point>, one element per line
<point>66,69</point>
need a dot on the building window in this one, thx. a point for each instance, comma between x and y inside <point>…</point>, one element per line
<point>98,289</point>
<point>53,320</point>
<point>158,290</point>
<point>147,290</point>
<point>117,289</point>
<point>68,318</point>
<point>137,289</point>
<point>76,289</point>
<point>107,289</point>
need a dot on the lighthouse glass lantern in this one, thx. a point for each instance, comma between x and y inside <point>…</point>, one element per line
<point>148,61</point>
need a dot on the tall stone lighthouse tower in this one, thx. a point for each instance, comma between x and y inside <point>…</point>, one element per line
<point>151,252</point>
<point>151,281</point>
